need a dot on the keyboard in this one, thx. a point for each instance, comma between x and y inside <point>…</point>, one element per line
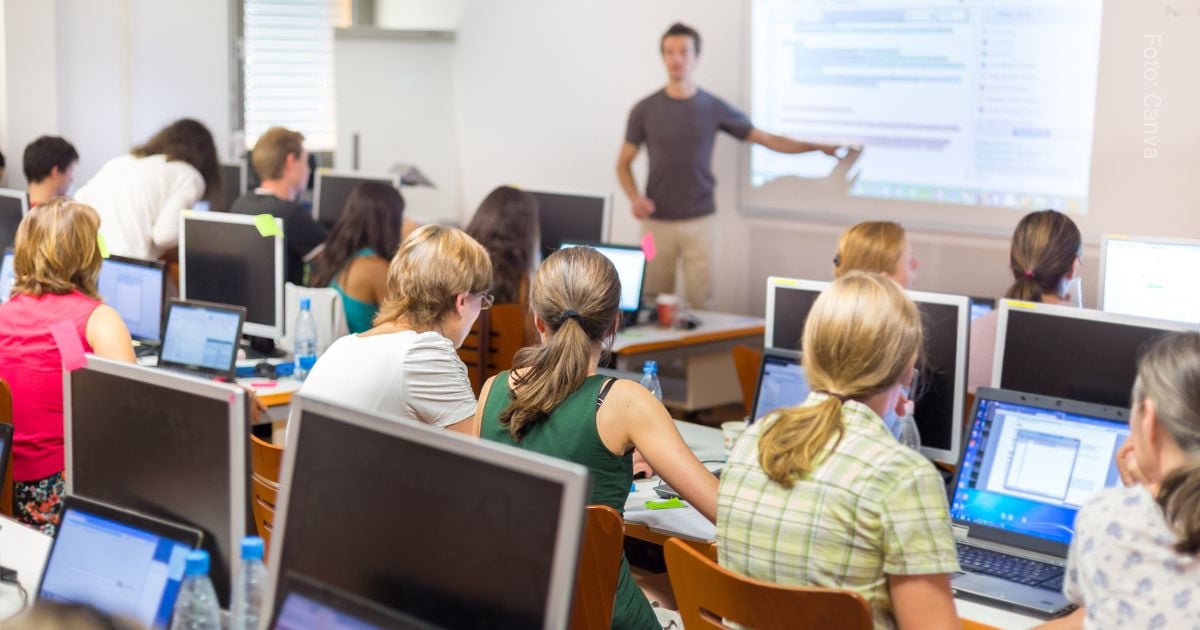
<point>1011,568</point>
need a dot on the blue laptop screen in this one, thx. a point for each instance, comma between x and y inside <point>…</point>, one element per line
<point>781,384</point>
<point>114,567</point>
<point>135,291</point>
<point>6,276</point>
<point>301,613</point>
<point>200,337</point>
<point>1027,470</point>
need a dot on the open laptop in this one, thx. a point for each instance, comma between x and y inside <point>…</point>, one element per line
<point>781,382</point>
<point>201,338</point>
<point>135,288</point>
<point>121,562</point>
<point>630,262</point>
<point>312,605</point>
<point>1029,463</point>
<point>7,272</point>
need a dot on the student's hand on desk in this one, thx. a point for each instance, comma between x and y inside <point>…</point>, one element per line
<point>641,466</point>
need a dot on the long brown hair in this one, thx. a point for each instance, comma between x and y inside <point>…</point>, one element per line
<point>434,265</point>
<point>874,246</point>
<point>1044,248</point>
<point>861,335</point>
<point>1169,375</point>
<point>577,294</point>
<point>55,250</point>
<point>506,224</point>
<point>187,140</point>
<point>372,218</point>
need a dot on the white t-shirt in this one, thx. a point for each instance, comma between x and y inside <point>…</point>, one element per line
<point>409,375</point>
<point>140,200</point>
<point>1123,568</point>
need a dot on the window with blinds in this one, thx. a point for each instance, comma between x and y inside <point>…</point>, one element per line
<point>287,69</point>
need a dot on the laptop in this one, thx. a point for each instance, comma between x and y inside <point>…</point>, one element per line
<point>119,561</point>
<point>1028,465</point>
<point>135,288</point>
<point>630,262</point>
<point>311,605</point>
<point>201,338</point>
<point>781,382</point>
<point>7,273</point>
<point>981,306</point>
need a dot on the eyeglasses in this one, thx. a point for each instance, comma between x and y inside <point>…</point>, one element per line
<point>486,300</point>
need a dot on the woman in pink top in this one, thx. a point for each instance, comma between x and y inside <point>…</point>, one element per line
<point>53,302</point>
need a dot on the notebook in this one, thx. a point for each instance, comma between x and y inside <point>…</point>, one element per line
<point>781,382</point>
<point>201,338</point>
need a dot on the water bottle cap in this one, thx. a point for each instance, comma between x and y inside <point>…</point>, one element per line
<point>650,367</point>
<point>197,563</point>
<point>305,304</point>
<point>252,548</point>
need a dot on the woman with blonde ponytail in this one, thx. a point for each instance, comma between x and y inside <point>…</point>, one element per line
<point>554,403</point>
<point>822,494</point>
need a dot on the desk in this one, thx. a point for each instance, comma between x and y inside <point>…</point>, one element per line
<point>655,526</point>
<point>695,366</point>
<point>23,549</point>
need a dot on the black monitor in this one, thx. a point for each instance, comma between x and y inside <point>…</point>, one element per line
<point>164,444</point>
<point>333,188</point>
<point>456,532</point>
<point>574,217</point>
<point>233,182</point>
<point>135,288</point>
<point>225,259</point>
<point>1073,353</point>
<point>14,205</point>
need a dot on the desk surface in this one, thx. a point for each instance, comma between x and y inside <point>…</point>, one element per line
<point>25,550</point>
<point>713,327</point>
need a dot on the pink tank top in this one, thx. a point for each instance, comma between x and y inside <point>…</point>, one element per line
<point>31,365</point>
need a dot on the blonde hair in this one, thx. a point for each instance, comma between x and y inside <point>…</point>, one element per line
<point>861,335</point>
<point>271,150</point>
<point>874,246</point>
<point>577,293</point>
<point>55,250</point>
<point>434,265</point>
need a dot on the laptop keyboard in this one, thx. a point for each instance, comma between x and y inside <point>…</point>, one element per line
<point>1011,568</point>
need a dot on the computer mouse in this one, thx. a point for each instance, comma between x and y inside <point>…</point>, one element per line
<point>264,370</point>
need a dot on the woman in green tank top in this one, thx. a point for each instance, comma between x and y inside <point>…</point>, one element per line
<point>554,403</point>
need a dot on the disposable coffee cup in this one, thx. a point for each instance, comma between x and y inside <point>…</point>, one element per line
<point>731,431</point>
<point>669,306</point>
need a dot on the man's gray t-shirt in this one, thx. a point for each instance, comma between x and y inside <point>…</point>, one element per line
<point>679,136</point>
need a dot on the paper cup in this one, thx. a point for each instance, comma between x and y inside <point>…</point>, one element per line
<point>668,309</point>
<point>731,431</point>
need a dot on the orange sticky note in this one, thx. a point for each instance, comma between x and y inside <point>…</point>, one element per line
<point>648,246</point>
<point>70,348</point>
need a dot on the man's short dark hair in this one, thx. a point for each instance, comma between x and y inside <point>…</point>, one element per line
<point>677,29</point>
<point>45,153</point>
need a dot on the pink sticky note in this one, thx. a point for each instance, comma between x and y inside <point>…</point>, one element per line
<point>70,348</point>
<point>648,246</point>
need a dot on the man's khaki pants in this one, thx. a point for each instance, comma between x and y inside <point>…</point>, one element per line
<point>690,240</point>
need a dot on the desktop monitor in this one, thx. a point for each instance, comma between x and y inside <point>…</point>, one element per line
<point>473,534</point>
<point>333,188</point>
<point>14,205</point>
<point>233,182</point>
<point>7,273</point>
<point>225,259</point>
<point>1072,353</point>
<point>135,288</point>
<point>164,444</point>
<point>1150,277</point>
<point>631,269</point>
<point>574,217</point>
<point>788,303</point>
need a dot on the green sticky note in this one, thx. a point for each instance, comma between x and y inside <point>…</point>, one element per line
<point>101,245</point>
<point>671,503</point>
<point>267,226</point>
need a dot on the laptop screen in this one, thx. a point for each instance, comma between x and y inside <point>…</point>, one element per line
<point>118,568</point>
<point>310,605</point>
<point>6,276</point>
<point>631,267</point>
<point>781,383</point>
<point>1027,469</point>
<point>201,337</point>
<point>135,289</point>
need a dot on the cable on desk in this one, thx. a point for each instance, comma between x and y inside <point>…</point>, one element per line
<point>12,580</point>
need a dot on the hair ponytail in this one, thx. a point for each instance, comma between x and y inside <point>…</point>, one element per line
<point>553,370</point>
<point>1179,497</point>
<point>788,449</point>
<point>1044,248</point>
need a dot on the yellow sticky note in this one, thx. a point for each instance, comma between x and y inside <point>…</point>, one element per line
<point>101,245</point>
<point>267,226</point>
<point>1021,304</point>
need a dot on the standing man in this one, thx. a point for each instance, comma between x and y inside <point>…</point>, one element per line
<point>678,125</point>
<point>49,168</point>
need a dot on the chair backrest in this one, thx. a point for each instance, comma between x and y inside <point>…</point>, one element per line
<point>707,594</point>
<point>599,565</point>
<point>747,362</point>
<point>265,459</point>
<point>503,326</point>
<point>326,309</point>
<point>6,478</point>
<point>262,505</point>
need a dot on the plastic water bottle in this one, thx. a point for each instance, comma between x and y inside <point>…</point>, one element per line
<point>196,607</point>
<point>248,587</point>
<point>907,432</point>
<point>305,340</point>
<point>650,378</point>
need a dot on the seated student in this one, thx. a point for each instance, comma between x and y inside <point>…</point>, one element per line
<point>406,366</point>
<point>355,257</point>
<point>56,263</point>
<point>822,494</point>
<point>877,246</point>
<point>506,224</point>
<point>140,195</point>
<point>49,168</point>
<point>280,160</point>
<point>1046,252</point>
<point>554,403</point>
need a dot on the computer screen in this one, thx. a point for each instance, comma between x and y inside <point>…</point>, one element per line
<point>1027,468</point>
<point>202,336</point>
<point>788,304</point>
<point>310,605</point>
<point>1151,278</point>
<point>163,444</point>
<point>135,289</point>
<point>631,269</point>
<point>1071,353</point>
<point>472,534</point>
<point>6,276</point>
<point>233,182</point>
<point>333,189</point>
<point>224,259</point>
<point>119,567</point>
<point>13,206</point>
<point>781,382</point>
<point>578,218</point>
<point>981,306</point>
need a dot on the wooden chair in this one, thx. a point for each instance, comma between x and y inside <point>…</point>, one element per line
<point>265,459</point>
<point>708,593</point>
<point>6,478</point>
<point>262,504</point>
<point>747,361</point>
<point>504,326</point>
<point>599,563</point>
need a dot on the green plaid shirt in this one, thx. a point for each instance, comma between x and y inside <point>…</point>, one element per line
<point>871,507</point>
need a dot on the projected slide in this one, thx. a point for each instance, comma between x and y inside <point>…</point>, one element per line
<point>975,102</point>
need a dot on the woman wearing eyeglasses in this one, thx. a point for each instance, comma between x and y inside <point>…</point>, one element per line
<point>406,366</point>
